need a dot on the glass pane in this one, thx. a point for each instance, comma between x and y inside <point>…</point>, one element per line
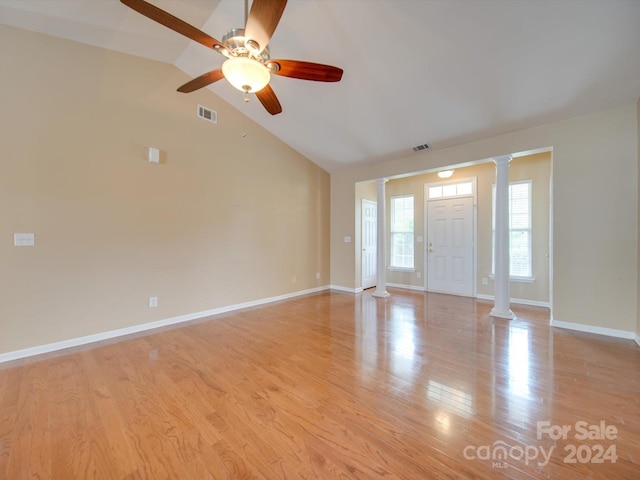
<point>402,214</point>
<point>465,188</point>
<point>520,253</point>
<point>402,250</point>
<point>520,220</point>
<point>435,192</point>
<point>449,190</point>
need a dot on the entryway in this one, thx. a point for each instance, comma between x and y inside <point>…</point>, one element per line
<point>450,234</point>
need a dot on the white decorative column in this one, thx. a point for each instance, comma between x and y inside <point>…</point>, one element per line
<point>501,294</point>
<point>381,259</point>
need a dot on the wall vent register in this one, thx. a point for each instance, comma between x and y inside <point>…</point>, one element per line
<point>207,114</point>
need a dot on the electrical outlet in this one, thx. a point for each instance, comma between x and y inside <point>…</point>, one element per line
<point>419,274</point>
<point>317,275</point>
<point>294,280</point>
<point>485,281</point>
<point>153,302</point>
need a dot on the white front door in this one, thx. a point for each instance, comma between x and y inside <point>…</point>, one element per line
<point>450,246</point>
<point>369,243</point>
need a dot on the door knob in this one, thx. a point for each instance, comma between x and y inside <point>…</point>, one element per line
<point>430,250</point>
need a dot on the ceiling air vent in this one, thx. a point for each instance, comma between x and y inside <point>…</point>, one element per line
<point>417,148</point>
<point>207,114</point>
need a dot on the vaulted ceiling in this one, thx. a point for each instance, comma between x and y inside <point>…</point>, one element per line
<point>415,71</point>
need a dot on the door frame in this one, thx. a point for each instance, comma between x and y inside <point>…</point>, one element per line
<point>362,246</point>
<point>474,248</point>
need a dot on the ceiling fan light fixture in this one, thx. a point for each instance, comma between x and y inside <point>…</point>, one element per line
<point>248,66</point>
<point>246,74</point>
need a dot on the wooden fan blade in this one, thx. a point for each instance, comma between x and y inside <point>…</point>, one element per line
<point>263,20</point>
<point>307,70</point>
<point>269,100</point>
<point>202,81</point>
<point>174,23</point>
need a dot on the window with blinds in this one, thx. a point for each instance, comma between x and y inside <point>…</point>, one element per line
<point>520,239</point>
<point>402,232</point>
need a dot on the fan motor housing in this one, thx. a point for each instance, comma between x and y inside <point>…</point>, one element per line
<point>236,44</point>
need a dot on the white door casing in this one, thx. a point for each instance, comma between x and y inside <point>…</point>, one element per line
<point>369,243</point>
<point>450,245</point>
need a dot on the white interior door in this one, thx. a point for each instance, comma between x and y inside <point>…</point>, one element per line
<point>450,246</point>
<point>369,243</point>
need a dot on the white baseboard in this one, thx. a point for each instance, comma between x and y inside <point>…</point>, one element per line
<point>580,327</point>
<point>345,289</point>
<point>79,341</point>
<point>406,287</point>
<point>519,301</point>
<point>638,340</point>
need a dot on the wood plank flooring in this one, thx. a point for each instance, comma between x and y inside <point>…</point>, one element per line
<point>331,385</point>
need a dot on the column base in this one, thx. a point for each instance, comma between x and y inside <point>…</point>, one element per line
<point>508,314</point>
<point>381,294</point>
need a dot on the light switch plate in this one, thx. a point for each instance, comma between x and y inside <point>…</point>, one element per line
<point>154,155</point>
<point>24,240</point>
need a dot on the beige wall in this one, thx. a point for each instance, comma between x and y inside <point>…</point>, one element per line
<point>222,220</point>
<point>536,168</point>
<point>595,211</point>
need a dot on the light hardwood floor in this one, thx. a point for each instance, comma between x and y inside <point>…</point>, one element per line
<point>330,385</point>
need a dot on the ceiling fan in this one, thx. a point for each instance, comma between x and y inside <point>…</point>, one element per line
<point>248,66</point>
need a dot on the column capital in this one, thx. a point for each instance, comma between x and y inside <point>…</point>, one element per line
<point>382,181</point>
<point>502,160</point>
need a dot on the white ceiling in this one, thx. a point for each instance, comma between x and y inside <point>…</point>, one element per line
<point>415,71</point>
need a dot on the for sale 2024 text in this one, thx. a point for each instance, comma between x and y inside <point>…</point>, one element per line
<point>581,431</point>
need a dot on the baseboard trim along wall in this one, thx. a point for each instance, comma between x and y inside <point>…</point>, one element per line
<point>638,340</point>
<point>340,288</point>
<point>406,287</point>
<point>520,301</point>
<point>609,332</point>
<point>76,342</point>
